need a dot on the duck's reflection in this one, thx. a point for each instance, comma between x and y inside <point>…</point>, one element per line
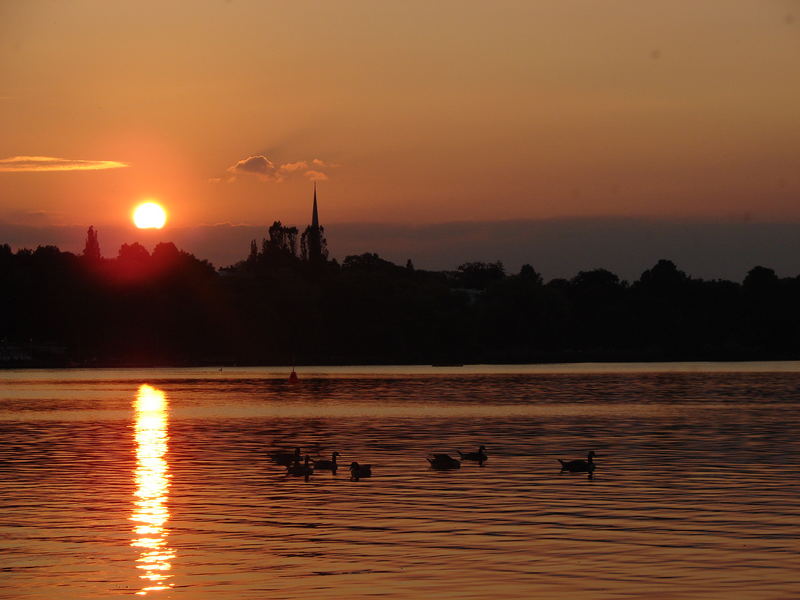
<point>150,511</point>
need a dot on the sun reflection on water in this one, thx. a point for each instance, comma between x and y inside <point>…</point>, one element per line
<point>150,511</point>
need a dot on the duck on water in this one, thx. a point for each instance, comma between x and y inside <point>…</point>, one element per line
<point>579,465</point>
<point>304,469</point>
<point>358,471</point>
<point>480,456</point>
<point>443,462</point>
<point>327,465</point>
<point>285,458</point>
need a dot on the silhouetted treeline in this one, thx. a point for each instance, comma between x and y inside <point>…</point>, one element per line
<point>278,307</point>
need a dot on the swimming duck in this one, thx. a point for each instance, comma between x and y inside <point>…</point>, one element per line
<point>284,458</point>
<point>443,462</point>
<point>358,471</point>
<point>327,465</point>
<point>579,465</point>
<point>304,469</point>
<point>479,456</point>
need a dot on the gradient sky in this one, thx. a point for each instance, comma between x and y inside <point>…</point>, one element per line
<point>416,112</point>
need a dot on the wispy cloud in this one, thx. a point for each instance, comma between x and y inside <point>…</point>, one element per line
<point>262,168</point>
<point>32,164</point>
<point>316,175</point>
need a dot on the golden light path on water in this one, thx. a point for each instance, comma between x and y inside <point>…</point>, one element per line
<point>150,512</point>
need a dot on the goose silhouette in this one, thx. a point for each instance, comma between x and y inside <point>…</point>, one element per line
<point>284,458</point>
<point>480,456</point>
<point>358,471</point>
<point>443,462</point>
<point>579,465</point>
<point>327,465</point>
<point>301,469</point>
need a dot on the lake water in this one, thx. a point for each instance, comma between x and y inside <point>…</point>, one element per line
<point>158,483</point>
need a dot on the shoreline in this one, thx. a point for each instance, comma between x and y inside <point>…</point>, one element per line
<point>478,369</point>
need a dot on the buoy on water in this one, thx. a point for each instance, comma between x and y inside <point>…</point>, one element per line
<point>293,376</point>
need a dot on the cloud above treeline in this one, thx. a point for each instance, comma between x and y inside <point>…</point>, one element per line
<point>263,169</point>
<point>34,164</point>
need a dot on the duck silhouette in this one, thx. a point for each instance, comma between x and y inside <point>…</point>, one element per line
<point>327,465</point>
<point>285,458</point>
<point>480,456</point>
<point>579,465</point>
<point>443,462</point>
<point>304,469</point>
<point>358,471</point>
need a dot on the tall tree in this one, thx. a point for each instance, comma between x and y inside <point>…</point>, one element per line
<point>92,248</point>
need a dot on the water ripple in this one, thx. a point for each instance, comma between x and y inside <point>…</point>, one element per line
<point>694,495</point>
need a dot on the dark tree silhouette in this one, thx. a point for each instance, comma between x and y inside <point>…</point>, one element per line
<point>133,253</point>
<point>168,307</point>
<point>92,248</point>
<point>479,275</point>
<point>313,245</point>
<point>282,240</point>
<point>527,272</point>
<point>760,278</point>
<point>663,276</point>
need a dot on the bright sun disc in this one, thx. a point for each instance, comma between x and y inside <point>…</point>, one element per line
<point>149,216</point>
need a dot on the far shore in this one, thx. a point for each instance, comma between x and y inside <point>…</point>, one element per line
<point>281,371</point>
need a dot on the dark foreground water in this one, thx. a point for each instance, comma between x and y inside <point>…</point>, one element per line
<point>158,483</point>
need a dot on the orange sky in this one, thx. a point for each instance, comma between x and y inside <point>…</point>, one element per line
<point>418,111</point>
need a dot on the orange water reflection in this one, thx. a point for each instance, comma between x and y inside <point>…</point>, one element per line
<point>150,511</point>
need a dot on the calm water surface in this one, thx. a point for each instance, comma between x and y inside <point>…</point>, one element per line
<point>158,483</point>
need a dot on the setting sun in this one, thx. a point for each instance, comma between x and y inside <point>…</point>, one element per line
<point>149,215</point>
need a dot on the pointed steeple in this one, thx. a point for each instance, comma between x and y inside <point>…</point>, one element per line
<point>313,244</point>
<point>314,215</point>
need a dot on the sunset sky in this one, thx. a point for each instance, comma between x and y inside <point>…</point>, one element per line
<point>405,113</point>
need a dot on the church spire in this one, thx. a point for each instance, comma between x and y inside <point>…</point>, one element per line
<point>312,242</point>
<point>314,215</point>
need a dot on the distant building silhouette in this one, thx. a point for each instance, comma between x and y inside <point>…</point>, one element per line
<point>313,245</point>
